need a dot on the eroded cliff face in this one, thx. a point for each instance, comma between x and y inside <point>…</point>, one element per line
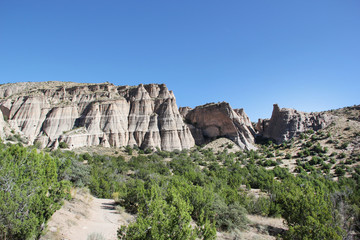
<point>2,125</point>
<point>286,123</point>
<point>95,114</point>
<point>212,121</point>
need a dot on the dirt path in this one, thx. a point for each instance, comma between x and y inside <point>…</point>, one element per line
<point>86,218</point>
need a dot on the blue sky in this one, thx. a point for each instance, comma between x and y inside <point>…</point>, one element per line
<point>252,54</point>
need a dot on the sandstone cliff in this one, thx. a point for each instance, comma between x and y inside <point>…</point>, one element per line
<point>285,123</point>
<point>95,114</point>
<point>212,121</point>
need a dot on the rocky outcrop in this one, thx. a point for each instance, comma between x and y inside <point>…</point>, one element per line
<point>184,111</point>
<point>286,123</point>
<point>212,121</point>
<point>95,114</point>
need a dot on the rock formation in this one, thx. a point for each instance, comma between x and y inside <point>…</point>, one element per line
<point>212,121</point>
<point>2,125</point>
<point>95,114</point>
<point>285,123</point>
<point>147,116</point>
<point>184,111</point>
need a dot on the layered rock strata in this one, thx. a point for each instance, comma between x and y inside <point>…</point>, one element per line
<point>215,120</point>
<point>95,114</point>
<point>286,123</point>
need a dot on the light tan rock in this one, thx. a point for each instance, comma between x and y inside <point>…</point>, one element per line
<point>28,115</point>
<point>212,121</point>
<point>184,111</point>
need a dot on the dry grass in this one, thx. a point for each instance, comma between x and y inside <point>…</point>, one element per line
<point>261,228</point>
<point>222,144</point>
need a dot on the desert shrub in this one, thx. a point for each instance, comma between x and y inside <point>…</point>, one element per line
<point>148,151</point>
<point>349,161</point>
<point>339,171</point>
<point>63,145</point>
<point>29,191</point>
<point>344,145</point>
<point>128,150</point>
<point>280,172</point>
<point>173,214</point>
<point>315,160</point>
<point>229,217</point>
<point>318,149</point>
<point>95,236</point>
<point>302,136</point>
<point>258,206</point>
<point>307,211</point>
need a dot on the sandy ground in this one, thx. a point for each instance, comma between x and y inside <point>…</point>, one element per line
<point>221,144</point>
<point>260,228</point>
<point>86,218</point>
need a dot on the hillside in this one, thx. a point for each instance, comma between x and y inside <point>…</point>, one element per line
<point>202,173</point>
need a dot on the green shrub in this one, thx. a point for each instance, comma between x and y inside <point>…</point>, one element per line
<point>258,206</point>
<point>128,150</point>
<point>344,145</point>
<point>307,211</point>
<point>229,217</point>
<point>148,151</point>
<point>63,145</point>
<point>339,171</point>
<point>30,191</point>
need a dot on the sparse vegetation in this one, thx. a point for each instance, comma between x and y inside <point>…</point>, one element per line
<point>30,191</point>
<point>312,182</point>
<point>63,145</point>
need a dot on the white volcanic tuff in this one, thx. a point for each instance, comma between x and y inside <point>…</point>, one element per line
<point>29,116</point>
<point>60,120</point>
<point>285,123</point>
<point>87,115</point>
<point>141,108</point>
<point>169,125</point>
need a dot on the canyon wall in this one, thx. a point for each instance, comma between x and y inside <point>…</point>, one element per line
<point>95,114</point>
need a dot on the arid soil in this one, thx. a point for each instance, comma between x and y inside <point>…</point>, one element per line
<point>86,218</point>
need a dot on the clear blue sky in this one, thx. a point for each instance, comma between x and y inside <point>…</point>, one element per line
<point>300,54</point>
